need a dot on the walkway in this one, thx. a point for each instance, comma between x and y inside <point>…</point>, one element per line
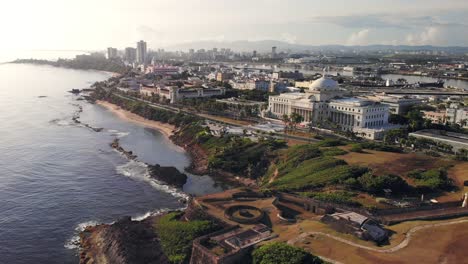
<point>402,245</point>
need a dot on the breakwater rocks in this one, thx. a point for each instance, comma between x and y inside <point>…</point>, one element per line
<point>170,175</point>
<point>122,242</point>
<point>76,117</point>
<point>129,154</point>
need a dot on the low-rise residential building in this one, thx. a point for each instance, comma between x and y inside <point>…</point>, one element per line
<point>224,76</point>
<point>250,85</point>
<point>294,75</point>
<point>161,70</point>
<point>438,117</point>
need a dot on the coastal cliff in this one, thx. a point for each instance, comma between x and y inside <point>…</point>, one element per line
<point>123,242</point>
<point>156,239</point>
<point>199,157</point>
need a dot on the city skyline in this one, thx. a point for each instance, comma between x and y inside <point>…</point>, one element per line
<point>163,24</point>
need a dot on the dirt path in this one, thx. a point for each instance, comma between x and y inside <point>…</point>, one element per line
<point>400,246</point>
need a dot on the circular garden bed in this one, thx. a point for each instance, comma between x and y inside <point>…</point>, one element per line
<point>244,214</point>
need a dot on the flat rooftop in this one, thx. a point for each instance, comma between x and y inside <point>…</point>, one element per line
<point>241,238</point>
<point>351,216</point>
<point>355,101</point>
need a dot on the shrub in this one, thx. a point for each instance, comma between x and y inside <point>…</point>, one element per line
<point>281,253</point>
<point>339,197</point>
<point>434,179</point>
<point>176,236</point>
<point>330,142</point>
<point>356,148</point>
<point>334,152</point>
<point>376,183</point>
<point>380,147</point>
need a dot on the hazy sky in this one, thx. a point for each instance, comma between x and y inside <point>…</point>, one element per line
<point>96,24</point>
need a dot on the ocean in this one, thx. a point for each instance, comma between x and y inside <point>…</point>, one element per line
<point>56,177</point>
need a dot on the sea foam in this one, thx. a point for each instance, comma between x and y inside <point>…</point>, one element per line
<point>139,171</point>
<point>74,241</point>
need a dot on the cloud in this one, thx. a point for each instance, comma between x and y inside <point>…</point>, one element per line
<point>289,38</point>
<point>359,38</point>
<point>388,20</point>
<point>440,35</point>
<point>150,34</point>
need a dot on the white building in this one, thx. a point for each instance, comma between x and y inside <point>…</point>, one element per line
<point>457,114</point>
<point>398,104</point>
<point>174,93</point>
<point>250,85</point>
<point>322,105</point>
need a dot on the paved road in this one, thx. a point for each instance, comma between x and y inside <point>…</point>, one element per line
<point>177,110</point>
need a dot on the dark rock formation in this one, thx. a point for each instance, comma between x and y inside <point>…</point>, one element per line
<point>169,175</point>
<point>123,242</point>
<point>116,145</point>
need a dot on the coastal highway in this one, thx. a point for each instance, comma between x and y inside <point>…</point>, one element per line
<point>226,122</point>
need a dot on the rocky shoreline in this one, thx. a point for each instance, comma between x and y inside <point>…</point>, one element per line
<point>122,242</point>
<point>127,241</point>
<point>169,175</point>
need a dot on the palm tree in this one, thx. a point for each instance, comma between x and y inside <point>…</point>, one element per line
<point>296,119</point>
<point>286,120</point>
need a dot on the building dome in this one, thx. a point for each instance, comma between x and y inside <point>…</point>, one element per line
<point>324,84</point>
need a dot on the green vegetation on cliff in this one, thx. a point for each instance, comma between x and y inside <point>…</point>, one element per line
<point>281,253</point>
<point>304,167</point>
<point>339,197</point>
<point>233,154</point>
<point>176,236</point>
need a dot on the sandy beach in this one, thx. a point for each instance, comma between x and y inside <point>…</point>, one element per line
<point>164,128</point>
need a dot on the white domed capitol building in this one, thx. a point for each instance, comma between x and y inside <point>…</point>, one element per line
<point>323,105</point>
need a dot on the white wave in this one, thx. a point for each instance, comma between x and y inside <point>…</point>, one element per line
<point>74,241</point>
<point>153,213</point>
<point>139,171</point>
<point>61,122</point>
<point>118,134</point>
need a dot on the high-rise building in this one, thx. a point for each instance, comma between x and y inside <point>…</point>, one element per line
<point>130,54</point>
<point>141,52</point>
<point>273,52</point>
<point>111,53</point>
<point>254,54</point>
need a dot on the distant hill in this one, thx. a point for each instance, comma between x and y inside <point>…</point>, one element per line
<point>265,46</point>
